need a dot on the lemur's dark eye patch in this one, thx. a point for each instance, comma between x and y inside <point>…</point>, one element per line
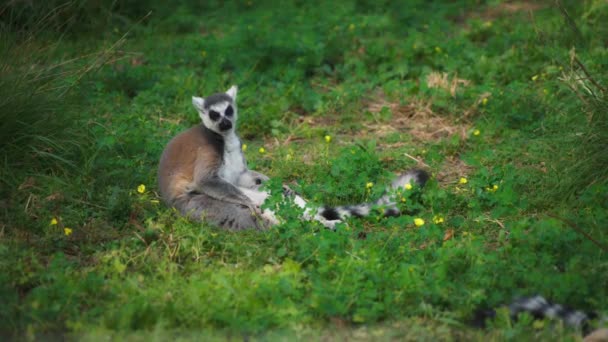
<point>229,111</point>
<point>258,181</point>
<point>213,115</point>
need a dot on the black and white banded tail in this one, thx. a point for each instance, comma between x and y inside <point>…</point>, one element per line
<point>413,177</point>
<point>540,308</point>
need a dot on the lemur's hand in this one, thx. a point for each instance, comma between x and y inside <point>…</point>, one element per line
<point>287,192</point>
<point>267,215</point>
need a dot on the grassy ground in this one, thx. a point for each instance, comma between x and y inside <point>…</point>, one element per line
<point>503,102</point>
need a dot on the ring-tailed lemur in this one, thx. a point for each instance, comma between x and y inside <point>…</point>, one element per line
<point>203,173</point>
<point>540,308</point>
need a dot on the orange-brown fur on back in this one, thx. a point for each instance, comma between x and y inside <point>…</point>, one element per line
<point>188,157</point>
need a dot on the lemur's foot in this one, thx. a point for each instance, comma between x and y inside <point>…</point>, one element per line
<point>267,215</point>
<point>287,192</point>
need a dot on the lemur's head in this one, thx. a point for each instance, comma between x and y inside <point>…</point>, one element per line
<point>218,111</point>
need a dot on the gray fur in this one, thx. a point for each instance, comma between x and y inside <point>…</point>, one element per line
<point>223,191</point>
<point>251,180</point>
<point>217,98</point>
<point>202,207</point>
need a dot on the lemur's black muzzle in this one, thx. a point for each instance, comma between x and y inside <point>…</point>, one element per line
<point>225,125</point>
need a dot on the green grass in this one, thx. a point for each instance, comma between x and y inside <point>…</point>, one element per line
<point>530,219</point>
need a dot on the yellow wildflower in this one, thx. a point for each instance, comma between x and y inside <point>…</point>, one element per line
<point>534,78</point>
<point>244,147</point>
<point>437,219</point>
<point>476,132</point>
<point>418,222</point>
<point>408,186</point>
<point>369,185</point>
<point>484,101</point>
<point>53,222</point>
<point>141,188</point>
<point>437,49</point>
<point>462,180</point>
<point>262,150</point>
<point>328,139</point>
<point>403,199</point>
<point>67,231</point>
<point>492,189</point>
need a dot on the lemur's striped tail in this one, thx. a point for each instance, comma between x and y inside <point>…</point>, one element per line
<point>540,308</point>
<point>417,177</point>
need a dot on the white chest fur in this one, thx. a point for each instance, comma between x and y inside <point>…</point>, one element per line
<point>233,162</point>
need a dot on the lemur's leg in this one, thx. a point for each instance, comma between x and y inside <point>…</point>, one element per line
<point>300,202</point>
<point>251,180</point>
<point>202,207</point>
<point>221,190</point>
<point>258,198</point>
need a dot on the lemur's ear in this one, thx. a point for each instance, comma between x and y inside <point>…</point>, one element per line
<point>232,92</point>
<point>198,102</point>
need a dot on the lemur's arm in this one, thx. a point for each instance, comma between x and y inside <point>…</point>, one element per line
<point>221,190</point>
<point>206,179</point>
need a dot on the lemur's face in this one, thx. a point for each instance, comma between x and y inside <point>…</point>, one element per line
<point>218,111</point>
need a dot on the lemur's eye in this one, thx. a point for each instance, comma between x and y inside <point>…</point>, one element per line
<point>258,181</point>
<point>213,115</point>
<point>229,111</point>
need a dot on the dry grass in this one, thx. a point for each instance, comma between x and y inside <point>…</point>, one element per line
<point>502,10</point>
<point>442,81</point>
<point>510,8</point>
<point>416,118</point>
<point>452,169</point>
<point>425,126</point>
